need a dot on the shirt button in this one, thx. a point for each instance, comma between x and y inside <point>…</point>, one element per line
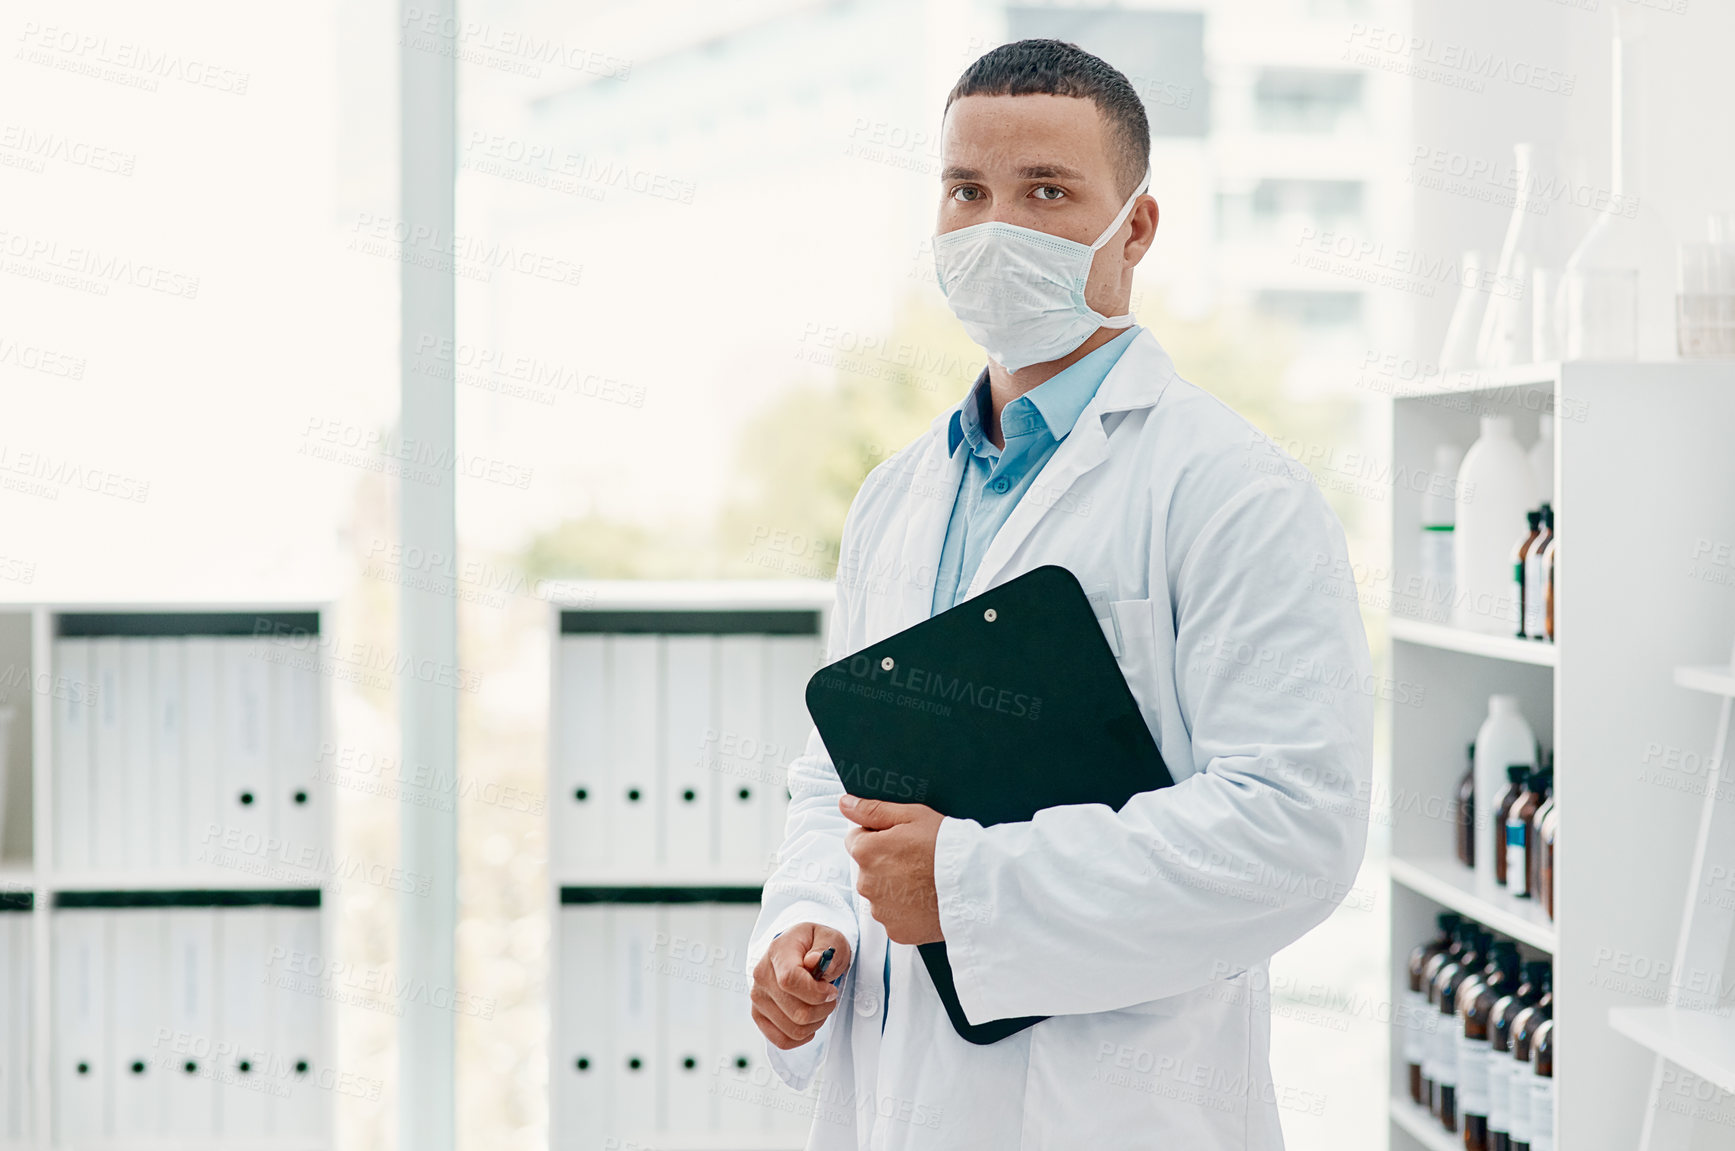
<point>1000,484</point>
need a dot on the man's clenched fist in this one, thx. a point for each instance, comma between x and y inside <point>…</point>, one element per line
<point>789,1003</point>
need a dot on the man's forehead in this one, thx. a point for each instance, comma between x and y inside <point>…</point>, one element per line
<point>1017,132</point>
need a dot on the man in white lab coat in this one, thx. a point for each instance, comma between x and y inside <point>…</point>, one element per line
<point>1219,576</point>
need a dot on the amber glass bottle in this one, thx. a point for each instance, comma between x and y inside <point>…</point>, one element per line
<point>1533,839</point>
<point>1451,977</point>
<point>1476,1000</point>
<point>1519,555</point>
<point>1500,1065</point>
<point>1523,1032</point>
<point>1467,814</point>
<point>1547,829</point>
<point>1516,774</point>
<point>1520,819</point>
<point>1461,932</point>
<point>1542,1087</point>
<point>1416,1020</point>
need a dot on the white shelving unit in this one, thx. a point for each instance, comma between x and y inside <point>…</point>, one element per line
<point>1643,476</point>
<point>29,865</point>
<point>675,710</point>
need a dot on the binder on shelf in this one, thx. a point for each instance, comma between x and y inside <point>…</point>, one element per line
<point>583,1089</point>
<point>244,767</point>
<point>74,711</point>
<point>585,785</point>
<point>204,735</point>
<point>138,1072</point>
<point>688,791</point>
<point>634,800</point>
<point>296,731</point>
<point>790,661</point>
<point>298,1046</point>
<point>108,757</point>
<point>743,1072</point>
<point>78,1045</point>
<point>14,1025</point>
<point>138,786</point>
<point>741,769</point>
<point>241,1053</point>
<point>167,744</point>
<point>639,1063</point>
<point>189,993</point>
<point>683,965</point>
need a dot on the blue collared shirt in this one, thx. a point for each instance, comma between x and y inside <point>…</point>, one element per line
<point>995,479</point>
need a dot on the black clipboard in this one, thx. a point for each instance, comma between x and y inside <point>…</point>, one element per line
<point>992,710</point>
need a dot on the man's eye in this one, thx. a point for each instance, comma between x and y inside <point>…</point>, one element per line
<point>966,193</point>
<point>1048,192</point>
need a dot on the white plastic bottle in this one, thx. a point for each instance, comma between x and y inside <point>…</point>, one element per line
<point>1542,459</point>
<point>1439,520</point>
<point>1503,739</point>
<point>1495,488</point>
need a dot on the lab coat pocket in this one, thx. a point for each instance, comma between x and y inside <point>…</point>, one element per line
<point>1134,622</point>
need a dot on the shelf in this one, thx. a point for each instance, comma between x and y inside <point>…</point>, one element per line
<point>171,881</point>
<point>1718,679</point>
<point>1460,381</point>
<point>1423,1127</point>
<point>1448,882</point>
<point>1445,638</point>
<point>640,879</point>
<point>1696,1040</point>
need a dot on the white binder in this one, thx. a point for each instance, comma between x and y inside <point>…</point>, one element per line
<point>80,1021</point>
<point>746,777</point>
<point>300,1057</point>
<point>203,738</point>
<point>108,759</point>
<point>639,1062</point>
<point>633,681</point>
<point>138,786</point>
<point>791,661</point>
<point>14,1026</point>
<point>296,726</point>
<point>139,1070</point>
<point>683,967</point>
<point>688,791</point>
<point>167,744</point>
<point>244,767</point>
<point>583,804</point>
<point>581,1089</point>
<point>74,719</point>
<point>244,1023</point>
<point>743,1071</point>
<point>189,994</point>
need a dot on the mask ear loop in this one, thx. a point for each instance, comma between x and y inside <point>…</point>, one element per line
<point>1126,210</point>
<point>1125,321</point>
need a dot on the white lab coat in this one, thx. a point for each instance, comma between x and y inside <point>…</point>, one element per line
<point>1220,577</point>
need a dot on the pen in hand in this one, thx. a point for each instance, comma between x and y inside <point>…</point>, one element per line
<point>824,962</point>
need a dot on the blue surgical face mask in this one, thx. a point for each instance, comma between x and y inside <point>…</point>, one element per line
<point>1019,292</point>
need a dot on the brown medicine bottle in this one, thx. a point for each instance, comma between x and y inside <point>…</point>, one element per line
<point>1520,821</point>
<point>1533,846</point>
<point>1519,555</point>
<point>1500,1064</point>
<point>1548,827</point>
<point>1451,977</point>
<point>1515,777</point>
<point>1523,1032</point>
<point>1467,813</point>
<point>1461,934</point>
<point>1542,1087</point>
<point>1476,1000</point>
<point>1416,1018</point>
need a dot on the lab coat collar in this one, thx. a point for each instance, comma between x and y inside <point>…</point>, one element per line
<point>1136,381</point>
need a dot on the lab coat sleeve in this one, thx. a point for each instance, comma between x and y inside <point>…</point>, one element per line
<point>1086,909</point>
<point>813,882</point>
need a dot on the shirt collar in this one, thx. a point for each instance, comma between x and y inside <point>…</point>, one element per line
<point>1059,400</point>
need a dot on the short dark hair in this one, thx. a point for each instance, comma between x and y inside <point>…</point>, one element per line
<point>1056,68</point>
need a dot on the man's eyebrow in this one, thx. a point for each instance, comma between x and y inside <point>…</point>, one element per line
<point>955,172</point>
<point>1049,172</point>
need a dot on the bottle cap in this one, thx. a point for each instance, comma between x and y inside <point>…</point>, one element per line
<point>1517,772</point>
<point>1448,921</point>
<point>1535,519</point>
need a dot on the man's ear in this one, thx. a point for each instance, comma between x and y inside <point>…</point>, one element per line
<point>1143,219</point>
